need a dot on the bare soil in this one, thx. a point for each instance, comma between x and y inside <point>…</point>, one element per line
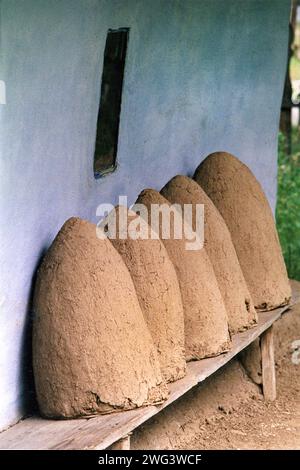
<point>228,410</point>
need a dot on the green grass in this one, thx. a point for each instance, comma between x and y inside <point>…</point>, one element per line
<point>294,68</point>
<point>295,59</point>
<point>288,203</point>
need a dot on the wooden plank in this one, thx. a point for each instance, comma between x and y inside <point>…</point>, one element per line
<point>102,431</point>
<point>268,365</point>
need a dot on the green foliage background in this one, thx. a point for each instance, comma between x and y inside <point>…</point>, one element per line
<point>288,203</point>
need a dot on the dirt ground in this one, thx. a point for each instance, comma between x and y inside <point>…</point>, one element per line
<point>228,410</point>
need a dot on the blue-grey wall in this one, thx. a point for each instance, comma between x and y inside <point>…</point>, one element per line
<point>201,76</point>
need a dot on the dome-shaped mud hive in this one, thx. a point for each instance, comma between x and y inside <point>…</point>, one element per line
<point>206,326</point>
<point>242,203</point>
<point>157,289</point>
<point>92,350</point>
<point>218,244</point>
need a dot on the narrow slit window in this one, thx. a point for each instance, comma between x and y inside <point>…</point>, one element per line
<point>110,101</point>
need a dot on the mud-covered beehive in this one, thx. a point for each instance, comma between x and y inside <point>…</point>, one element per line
<point>218,244</point>
<point>157,289</point>
<point>92,350</point>
<point>241,201</point>
<point>206,326</point>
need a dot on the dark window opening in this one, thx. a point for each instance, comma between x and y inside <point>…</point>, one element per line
<point>110,101</point>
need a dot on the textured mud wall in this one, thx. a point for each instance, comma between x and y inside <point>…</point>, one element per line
<point>218,244</point>
<point>205,318</point>
<point>200,75</point>
<point>156,285</point>
<point>92,350</point>
<point>242,203</point>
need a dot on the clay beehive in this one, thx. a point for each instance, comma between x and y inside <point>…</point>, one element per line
<point>239,306</point>
<point>157,289</point>
<point>245,209</point>
<point>92,350</point>
<point>206,327</point>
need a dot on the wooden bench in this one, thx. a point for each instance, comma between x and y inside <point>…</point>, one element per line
<point>100,432</point>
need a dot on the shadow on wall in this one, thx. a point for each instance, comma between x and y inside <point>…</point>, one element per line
<point>26,380</point>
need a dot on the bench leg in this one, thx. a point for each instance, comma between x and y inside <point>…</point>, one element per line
<point>122,444</point>
<point>268,365</point>
<point>250,358</point>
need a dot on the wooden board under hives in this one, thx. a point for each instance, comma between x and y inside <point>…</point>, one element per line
<point>100,432</point>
